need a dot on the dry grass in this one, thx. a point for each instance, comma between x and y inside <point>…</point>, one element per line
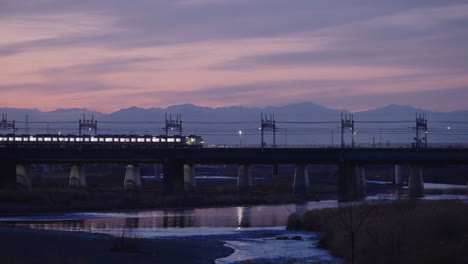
<point>286,261</point>
<point>399,232</point>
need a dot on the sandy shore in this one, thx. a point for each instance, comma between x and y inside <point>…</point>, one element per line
<point>37,246</point>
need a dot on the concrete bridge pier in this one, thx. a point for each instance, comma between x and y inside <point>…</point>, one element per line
<point>132,181</point>
<point>275,170</point>
<point>189,178</point>
<point>173,180</point>
<point>8,175</point>
<point>351,182</point>
<point>361,181</point>
<point>416,182</point>
<point>157,171</point>
<point>301,180</point>
<point>77,176</point>
<point>244,180</point>
<point>398,177</point>
<point>23,177</point>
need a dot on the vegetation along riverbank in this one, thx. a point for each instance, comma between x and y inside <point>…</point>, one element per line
<point>408,231</point>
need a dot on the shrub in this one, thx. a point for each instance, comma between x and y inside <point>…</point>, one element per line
<point>398,232</point>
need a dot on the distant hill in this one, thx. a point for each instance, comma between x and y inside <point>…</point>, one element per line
<point>221,125</point>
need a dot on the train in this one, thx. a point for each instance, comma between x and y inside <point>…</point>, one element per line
<point>158,141</point>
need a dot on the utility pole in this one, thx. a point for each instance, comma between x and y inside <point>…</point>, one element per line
<point>347,123</point>
<point>26,124</point>
<point>332,137</point>
<point>173,124</point>
<point>268,124</point>
<point>86,124</point>
<point>421,124</point>
<point>380,136</point>
<point>7,125</point>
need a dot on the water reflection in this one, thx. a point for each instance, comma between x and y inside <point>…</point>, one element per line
<point>131,223</point>
<point>243,216</point>
<point>177,219</point>
<point>219,217</point>
<point>222,217</point>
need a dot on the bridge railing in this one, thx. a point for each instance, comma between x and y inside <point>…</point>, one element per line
<point>356,146</point>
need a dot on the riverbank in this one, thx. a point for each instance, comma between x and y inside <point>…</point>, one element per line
<point>409,231</point>
<point>36,246</point>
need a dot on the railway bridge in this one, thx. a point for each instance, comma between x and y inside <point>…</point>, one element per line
<point>179,163</point>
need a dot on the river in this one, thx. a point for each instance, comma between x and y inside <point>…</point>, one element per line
<point>255,232</point>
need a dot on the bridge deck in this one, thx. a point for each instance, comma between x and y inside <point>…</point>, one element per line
<point>95,153</point>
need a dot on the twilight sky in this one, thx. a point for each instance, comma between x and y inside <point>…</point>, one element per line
<point>352,54</point>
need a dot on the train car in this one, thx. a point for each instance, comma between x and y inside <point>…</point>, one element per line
<point>123,140</point>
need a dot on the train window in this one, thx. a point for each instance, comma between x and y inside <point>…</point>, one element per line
<point>133,139</point>
<point>140,140</point>
<point>11,139</point>
<point>192,140</point>
<point>116,139</point>
<point>170,139</point>
<point>177,139</point>
<point>163,140</point>
<point>93,139</point>
<point>61,139</point>
<point>2,139</point>
<point>78,139</point>
<point>40,139</point>
<point>155,139</point>
<point>124,140</point>
<point>148,139</point>
<point>47,139</point>
<point>71,139</point>
<point>25,139</point>
<point>54,139</point>
<point>18,139</point>
<point>86,139</point>
<point>108,139</point>
<point>101,139</point>
<point>32,139</point>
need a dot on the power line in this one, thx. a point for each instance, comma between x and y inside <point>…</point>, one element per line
<point>220,123</point>
<point>308,122</point>
<point>449,122</point>
<point>130,122</point>
<point>384,122</point>
<point>49,122</point>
